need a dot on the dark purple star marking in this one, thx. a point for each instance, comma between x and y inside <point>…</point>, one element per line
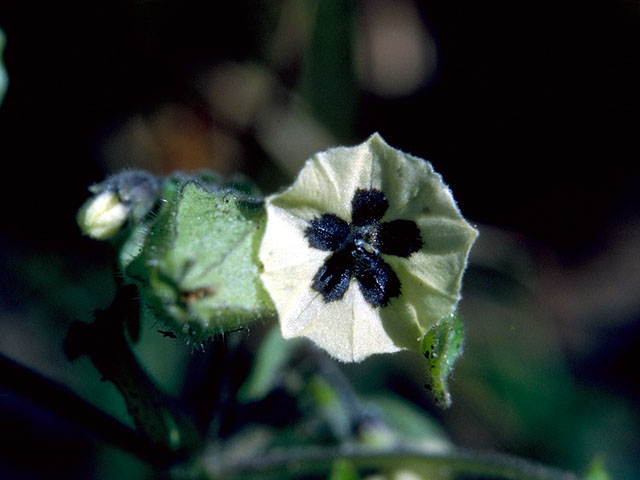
<point>357,247</point>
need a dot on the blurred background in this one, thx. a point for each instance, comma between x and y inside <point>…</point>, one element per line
<point>529,110</point>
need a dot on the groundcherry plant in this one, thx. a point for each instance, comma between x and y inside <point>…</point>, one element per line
<point>363,254</point>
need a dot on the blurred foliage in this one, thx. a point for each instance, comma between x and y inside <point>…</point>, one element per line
<point>523,101</point>
<point>269,361</point>
<point>4,79</point>
<point>597,470</point>
<point>327,79</point>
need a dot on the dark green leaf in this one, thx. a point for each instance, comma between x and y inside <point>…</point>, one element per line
<point>267,368</point>
<point>343,470</point>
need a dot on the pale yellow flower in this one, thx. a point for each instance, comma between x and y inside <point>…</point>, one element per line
<point>365,251</point>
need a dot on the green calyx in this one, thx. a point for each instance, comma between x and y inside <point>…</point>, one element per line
<point>195,262</point>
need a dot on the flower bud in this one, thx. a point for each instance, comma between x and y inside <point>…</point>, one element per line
<point>102,216</point>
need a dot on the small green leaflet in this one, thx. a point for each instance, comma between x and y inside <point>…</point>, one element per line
<point>442,346</point>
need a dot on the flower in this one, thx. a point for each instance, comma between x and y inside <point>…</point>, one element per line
<point>365,251</point>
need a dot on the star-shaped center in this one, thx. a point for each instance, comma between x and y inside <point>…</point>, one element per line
<point>357,249</point>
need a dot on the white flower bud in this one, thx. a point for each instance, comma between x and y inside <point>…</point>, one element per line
<point>102,216</point>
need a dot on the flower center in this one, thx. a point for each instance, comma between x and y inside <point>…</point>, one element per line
<point>358,247</point>
<point>365,239</point>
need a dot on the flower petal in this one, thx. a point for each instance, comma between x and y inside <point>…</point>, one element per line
<point>289,265</point>
<point>349,330</point>
<point>327,232</point>
<point>328,183</point>
<point>378,282</point>
<point>399,237</point>
<point>368,205</point>
<point>430,299</point>
<point>410,184</point>
<point>333,278</point>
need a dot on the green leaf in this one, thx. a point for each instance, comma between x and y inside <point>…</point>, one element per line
<point>407,421</point>
<point>597,470</point>
<point>343,470</point>
<point>442,346</point>
<point>329,406</point>
<point>198,269</point>
<point>267,367</point>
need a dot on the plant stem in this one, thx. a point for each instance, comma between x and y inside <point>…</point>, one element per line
<point>60,400</point>
<point>314,460</point>
<point>104,341</point>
